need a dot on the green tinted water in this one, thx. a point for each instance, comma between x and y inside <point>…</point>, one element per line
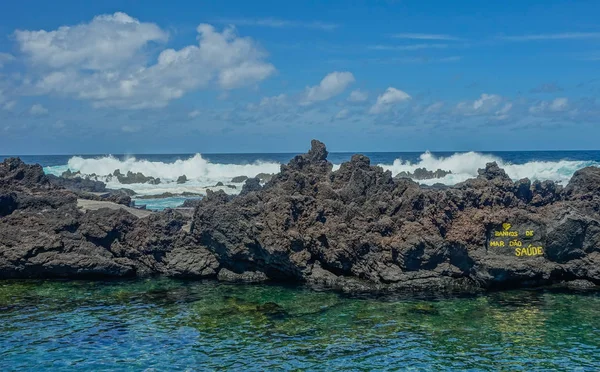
<point>164,324</point>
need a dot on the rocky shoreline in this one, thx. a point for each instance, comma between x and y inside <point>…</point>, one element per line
<point>356,229</point>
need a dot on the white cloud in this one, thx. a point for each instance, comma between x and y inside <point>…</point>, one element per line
<point>388,99</point>
<point>556,105</point>
<point>342,114</point>
<point>280,100</point>
<point>194,114</point>
<point>331,85</point>
<point>558,36</point>
<point>106,42</point>
<point>434,107</point>
<point>38,110</point>
<point>417,36</point>
<point>358,96</point>
<point>408,47</point>
<point>280,23</point>
<point>103,61</point>
<point>6,58</point>
<point>9,105</point>
<point>485,104</point>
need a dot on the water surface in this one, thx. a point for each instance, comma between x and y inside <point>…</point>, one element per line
<point>162,324</point>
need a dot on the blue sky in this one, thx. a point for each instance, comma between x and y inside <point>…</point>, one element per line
<point>267,76</point>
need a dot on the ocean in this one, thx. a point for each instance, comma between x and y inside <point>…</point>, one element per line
<point>205,171</point>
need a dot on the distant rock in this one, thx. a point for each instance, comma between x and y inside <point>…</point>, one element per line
<point>219,184</point>
<point>182,179</point>
<point>423,174</point>
<point>264,177</point>
<point>239,179</point>
<point>74,182</point>
<point>131,177</point>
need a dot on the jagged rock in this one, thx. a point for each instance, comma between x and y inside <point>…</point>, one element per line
<point>252,184</point>
<point>44,234</point>
<point>131,177</point>
<point>239,179</point>
<point>264,177</point>
<point>219,184</point>
<point>182,179</point>
<point>75,183</point>
<point>190,203</point>
<point>356,230</point>
<point>423,174</point>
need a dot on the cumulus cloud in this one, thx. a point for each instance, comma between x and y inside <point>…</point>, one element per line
<point>388,99</point>
<point>331,85</point>
<point>9,105</point>
<point>104,61</point>
<point>358,96</point>
<point>485,104</point>
<point>106,42</point>
<point>342,114</point>
<point>38,110</point>
<point>5,58</point>
<point>194,114</point>
<point>556,105</point>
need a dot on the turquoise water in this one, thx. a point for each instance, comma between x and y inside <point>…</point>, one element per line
<point>162,324</point>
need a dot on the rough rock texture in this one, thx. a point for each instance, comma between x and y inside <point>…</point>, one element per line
<point>43,234</point>
<point>423,174</point>
<point>356,229</point>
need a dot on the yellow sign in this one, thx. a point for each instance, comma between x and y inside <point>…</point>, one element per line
<point>519,249</point>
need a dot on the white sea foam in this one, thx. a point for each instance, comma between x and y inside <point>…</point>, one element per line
<point>200,172</point>
<point>465,165</point>
<point>203,174</point>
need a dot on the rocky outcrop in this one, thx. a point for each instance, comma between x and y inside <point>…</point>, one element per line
<point>356,229</point>
<point>44,234</point>
<point>423,174</point>
<point>239,179</point>
<point>182,179</point>
<point>137,177</point>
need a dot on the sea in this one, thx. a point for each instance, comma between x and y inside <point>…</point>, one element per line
<point>205,171</point>
<point>162,324</point>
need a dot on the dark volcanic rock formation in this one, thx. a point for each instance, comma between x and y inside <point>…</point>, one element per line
<point>43,234</point>
<point>423,174</point>
<point>356,229</point>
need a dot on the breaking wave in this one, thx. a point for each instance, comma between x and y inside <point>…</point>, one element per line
<point>200,172</point>
<point>203,174</point>
<point>465,165</point>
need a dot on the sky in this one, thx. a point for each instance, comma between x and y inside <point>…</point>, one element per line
<point>268,76</point>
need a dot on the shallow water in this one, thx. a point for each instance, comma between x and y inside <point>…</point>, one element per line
<point>162,324</point>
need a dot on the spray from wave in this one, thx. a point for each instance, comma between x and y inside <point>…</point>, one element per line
<point>465,165</point>
<point>203,174</point>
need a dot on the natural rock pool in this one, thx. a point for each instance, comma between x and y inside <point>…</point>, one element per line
<point>162,324</point>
